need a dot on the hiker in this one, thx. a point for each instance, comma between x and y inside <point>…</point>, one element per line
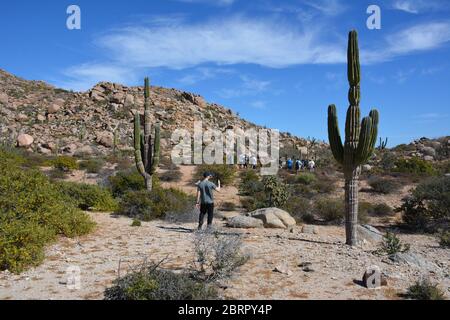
<point>289,164</point>
<point>242,161</point>
<point>298,165</point>
<point>205,199</point>
<point>253,162</point>
<point>311,165</point>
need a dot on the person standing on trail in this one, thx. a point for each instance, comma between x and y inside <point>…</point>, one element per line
<point>205,199</point>
<point>289,164</point>
<point>253,162</point>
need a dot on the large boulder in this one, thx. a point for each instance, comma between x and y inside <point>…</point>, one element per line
<point>53,108</point>
<point>369,234</point>
<point>24,140</point>
<point>273,218</point>
<point>4,99</point>
<point>244,222</point>
<point>105,139</point>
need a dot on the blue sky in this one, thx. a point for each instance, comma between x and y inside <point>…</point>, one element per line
<point>278,63</point>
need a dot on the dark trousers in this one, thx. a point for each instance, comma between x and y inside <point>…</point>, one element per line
<point>206,208</point>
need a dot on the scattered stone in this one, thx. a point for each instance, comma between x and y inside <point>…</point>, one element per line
<point>105,139</point>
<point>273,218</point>
<point>283,270</point>
<point>309,229</point>
<point>53,108</point>
<point>24,140</point>
<point>245,222</point>
<point>413,260</point>
<point>4,99</point>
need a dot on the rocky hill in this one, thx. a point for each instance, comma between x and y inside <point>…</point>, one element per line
<point>42,118</point>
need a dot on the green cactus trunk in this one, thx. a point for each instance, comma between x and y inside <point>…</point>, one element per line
<point>360,139</point>
<point>146,151</point>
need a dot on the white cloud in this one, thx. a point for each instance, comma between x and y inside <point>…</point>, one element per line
<point>249,86</point>
<point>211,2</point>
<point>422,37</point>
<point>230,41</point>
<point>258,104</point>
<point>202,74</point>
<point>327,7</point>
<point>419,6</point>
<point>83,77</point>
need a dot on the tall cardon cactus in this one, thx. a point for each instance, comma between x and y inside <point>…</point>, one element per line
<point>360,139</point>
<point>146,149</point>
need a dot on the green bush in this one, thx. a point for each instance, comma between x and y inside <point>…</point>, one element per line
<point>223,172</point>
<point>124,181</point>
<point>88,196</point>
<point>330,210</point>
<point>170,176</point>
<point>228,206</point>
<point>444,239</point>
<point>92,165</point>
<point>384,186</point>
<point>428,207</point>
<point>425,290</point>
<point>276,191</point>
<point>33,212</point>
<point>136,223</point>
<point>153,283</point>
<point>415,166</point>
<point>300,208</point>
<point>391,244</point>
<point>64,163</point>
<point>305,178</point>
<point>156,204</point>
<point>381,210</point>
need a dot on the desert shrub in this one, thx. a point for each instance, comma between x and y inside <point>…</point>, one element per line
<point>88,196</point>
<point>415,166</point>
<point>330,210</point>
<point>276,191</point>
<point>223,172</point>
<point>301,190</point>
<point>428,207</point>
<point>64,163</point>
<point>170,175</point>
<point>33,212</point>
<point>444,239</point>
<point>404,148</point>
<point>381,210</point>
<point>364,209</point>
<point>92,165</point>
<point>228,206</point>
<point>217,255</point>
<point>391,244</point>
<point>387,162</point>
<point>124,181</point>
<point>136,223</point>
<point>306,178</point>
<point>150,282</point>
<point>250,183</point>
<point>384,186</point>
<point>425,290</point>
<point>300,208</point>
<point>145,205</point>
<point>324,185</point>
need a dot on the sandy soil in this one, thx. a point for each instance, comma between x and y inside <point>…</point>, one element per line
<point>337,268</point>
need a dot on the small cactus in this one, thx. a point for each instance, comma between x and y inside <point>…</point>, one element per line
<point>359,142</point>
<point>146,151</point>
<point>383,144</point>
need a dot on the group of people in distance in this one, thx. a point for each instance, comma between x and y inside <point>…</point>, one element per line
<point>297,164</point>
<point>246,161</point>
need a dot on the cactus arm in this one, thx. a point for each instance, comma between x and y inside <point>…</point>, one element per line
<point>137,145</point>
<point>156,148</point>
<point>364,149</point>
<point>334,136</point>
